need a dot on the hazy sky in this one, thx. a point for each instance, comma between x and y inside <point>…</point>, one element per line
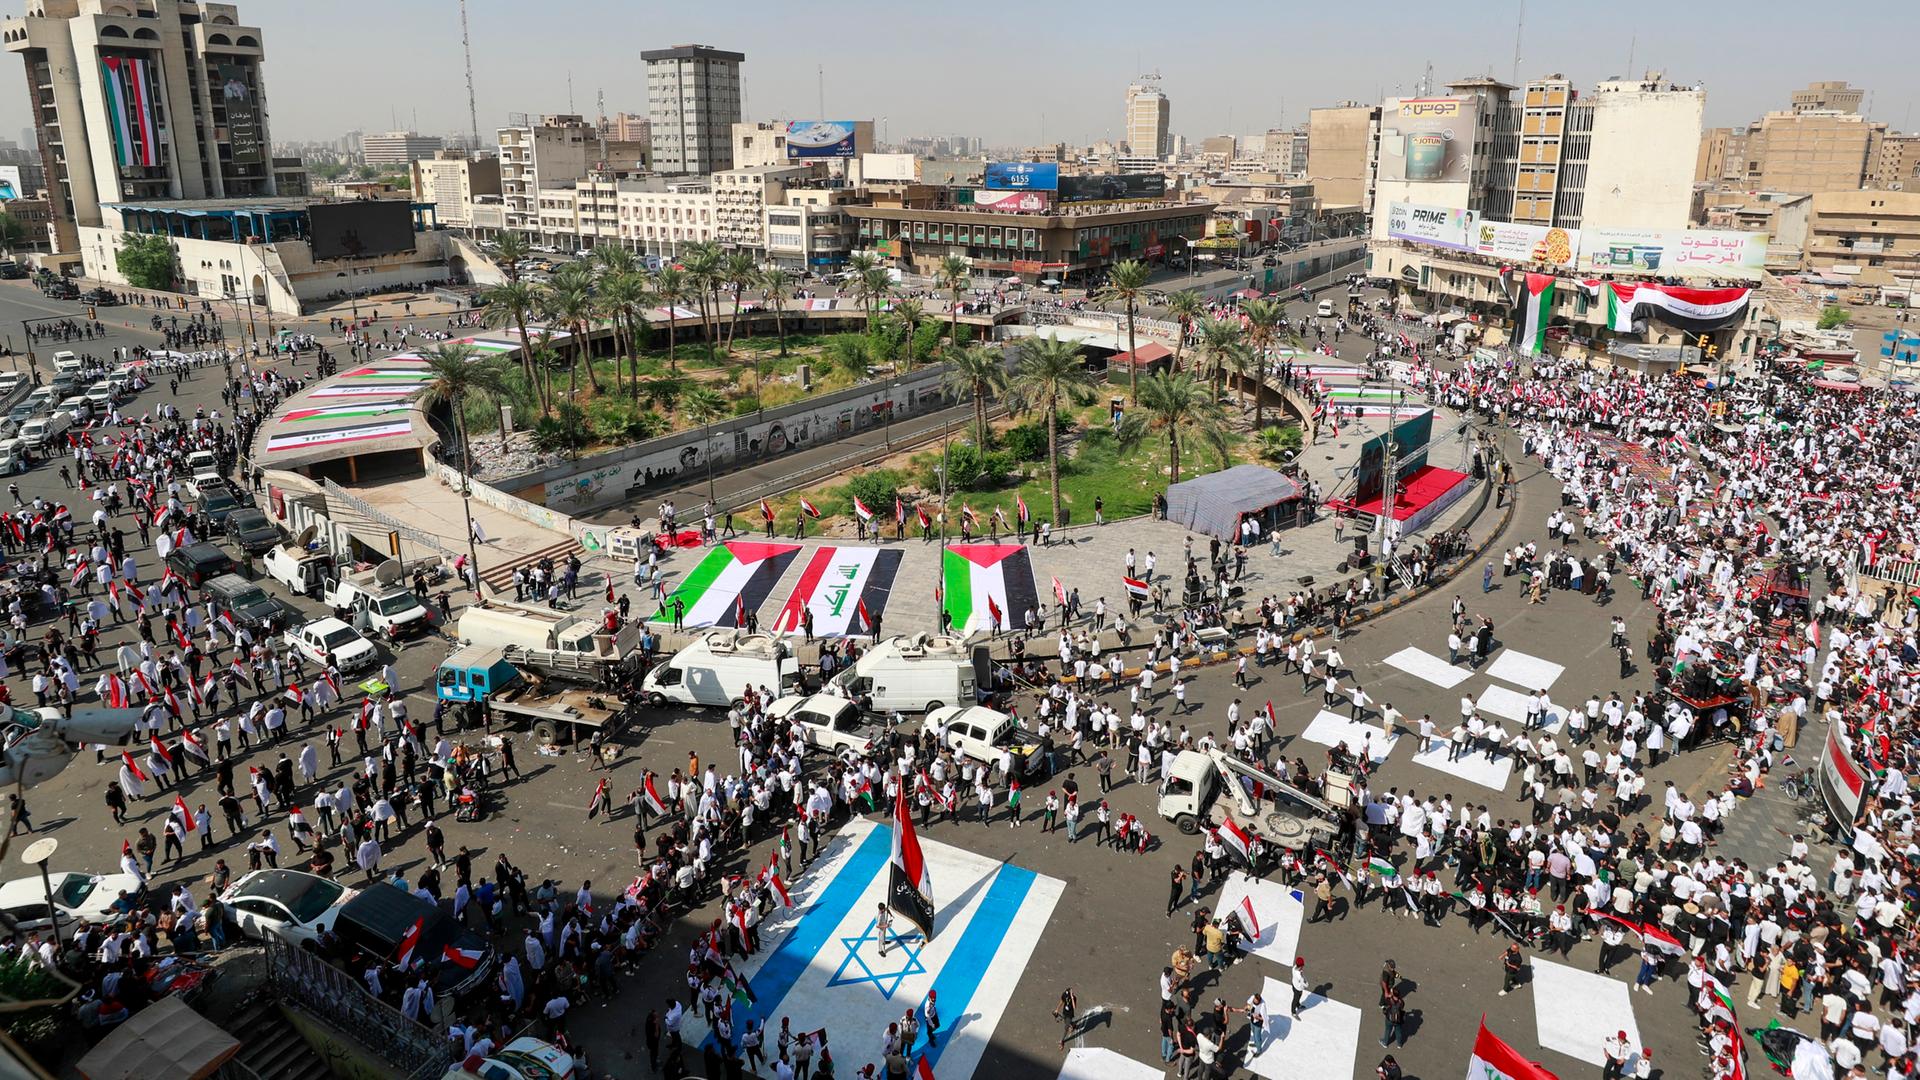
<point>1018,73</point>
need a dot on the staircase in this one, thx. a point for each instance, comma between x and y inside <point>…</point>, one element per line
<point>498,576</point>
<point>273,1048</point>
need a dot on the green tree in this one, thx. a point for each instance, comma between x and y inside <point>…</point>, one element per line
<point>1049,374</point>
<point>1263,328</point>
<point>872,287</point>
<point>777,286</point>
<point>1127,282</point>
<point>671,288</point>
<point>1178,406</point>
<point>702,405</point>
<point>976,370</point>
<point>953,274</point>
<point>850,353</point>
<point>624,300</point>
<point>570,301</point>
<point>508,251</point>
<point>1185,306</point>
<point>664,392</point>
<point>1216,337</point>
<point>1834,315</point>
<point>12,232</point>
<point>147,262</point>
<point>909,314</point>
<point>454,374</point>
<point>704,267</point>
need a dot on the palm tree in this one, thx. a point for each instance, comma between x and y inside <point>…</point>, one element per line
<point>454,375</point>
<point>570,300</point>
<point>738,270</point>
<point>623,298</point>
<point>1263,326</point>
<point>1185,306</point>
<point>670,288</point>
<point>979,370</point>
<point>910,315</point>
<point>1127,281</point>
<point>1178,405</point>
<point>612,260</point>
<point>777,285</point>
<point>953,274</point>
<point>703,267</point>
<point>512,305</point>
<point>664,392</point>
<point>1050,371</point>
<point>1216,337</point>
<point>872,286</point>
<point>508,250</point>
<point>1244,363</point>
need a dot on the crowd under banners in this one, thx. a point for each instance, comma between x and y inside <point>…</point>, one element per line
<point>306,440</point>
<point>985,584</point>
<point>735,576</point>
<point>844,587</point>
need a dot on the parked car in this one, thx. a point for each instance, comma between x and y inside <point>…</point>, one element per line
<point>217,503</point>
<point>292,905</point>
<point>75,897</point>
<point>101,297</point>
<point>42,430</point>
<point>13,456</point>
<point>381,919</point>
<point>197,563</point>
<point>320,637</point>
<point>252,530</point>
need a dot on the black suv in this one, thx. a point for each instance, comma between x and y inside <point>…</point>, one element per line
<point>199,563</point>
<point>381,918</point>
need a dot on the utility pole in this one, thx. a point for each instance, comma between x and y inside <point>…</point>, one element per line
<point>473,110</point>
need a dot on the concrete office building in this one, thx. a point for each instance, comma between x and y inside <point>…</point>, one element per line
<point>693,101</point>
<point>915,233</point>
<point>1827,97</point>
<point>1148,112</point>
<point>1812,151</point>
<point>1898,167</point>
<point>741,197</point>
<point>761,143</point>
<point>627,127</point>
<point>1872,237</point>
<point>1722,157</point>
<point>1340,150</point>
<point>166,102</point>
<point>555,150</point>
<point>454,182</point>
<point>399,147</point>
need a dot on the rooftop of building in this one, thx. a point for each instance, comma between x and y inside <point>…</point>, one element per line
<point>692,52</point>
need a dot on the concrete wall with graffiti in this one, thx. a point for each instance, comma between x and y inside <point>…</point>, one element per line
<point>660,465</point>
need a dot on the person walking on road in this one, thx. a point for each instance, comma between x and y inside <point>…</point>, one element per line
<point>1068,1015</point>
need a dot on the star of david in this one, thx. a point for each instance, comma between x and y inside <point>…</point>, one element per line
<point>906,946</point>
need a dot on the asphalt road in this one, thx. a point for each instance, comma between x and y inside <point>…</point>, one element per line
<point>1102,939</point>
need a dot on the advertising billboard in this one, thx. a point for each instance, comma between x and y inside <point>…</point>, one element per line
<point>243,116</point>
<point>11,186</point>
<point>1676,252</point>
<point>890,167</point>
<point>1439,226</point>
<point>1012,202</point>
<point>819,139</point>
<point>1022,176</point>
<point>1427,140</point>
<point>1112,187</point>
<point>360,229</point>
<point>1521,243</point>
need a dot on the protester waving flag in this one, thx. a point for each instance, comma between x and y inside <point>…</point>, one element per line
<point>910,887</point>
<point>812,511</point>
<point>858,508</point>
<point>1495,1060</point>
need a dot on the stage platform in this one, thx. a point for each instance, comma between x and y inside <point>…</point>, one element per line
<point>1423,496</point>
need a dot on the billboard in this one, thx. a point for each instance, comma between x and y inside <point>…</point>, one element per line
<point>1112,186</point>
<point>1022,176</point>
<point>1675,252</point>
<point>1515,242</point>
<point>1410,439</point>
<point>1427,140</point>
<point>243,116</point>
<point>11,186</point>
<point>820,139</point>
<point>890,167</point>
<point>360,229</point>
<point>1012,202</point>
<point>1439,226</point>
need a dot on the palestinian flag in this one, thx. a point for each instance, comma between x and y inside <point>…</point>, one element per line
<point>344,412</point>
<point>1495,1060</point>
<point>835,584</point>
<point>982,578</point>
<point>909,886</point>
<point>738,574</point>
<point>1532,313</point>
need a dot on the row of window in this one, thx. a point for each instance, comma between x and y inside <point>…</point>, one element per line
<point>949,233</point>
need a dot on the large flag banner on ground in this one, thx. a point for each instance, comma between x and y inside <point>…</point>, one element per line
<point>1495,1060</point>
<point>306,439</point>
<point>738,574</point>
<point>833,585</point>
<point>981,577</point>
<point>819,964</point>
<point>1532,314</point>
<point>909,886</point>
<point>344,412</point>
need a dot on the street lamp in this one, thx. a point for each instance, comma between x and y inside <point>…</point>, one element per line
<point>37,855</point>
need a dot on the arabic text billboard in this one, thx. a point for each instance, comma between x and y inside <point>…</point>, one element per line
<point>1427,140</point>
<point>1438,226</point>
<point>820,139</point>
<point>1022,176</point>
<point>243,116</point>
<point>1113,187</point>
<point>1516,242</point>
<point>1677,252</point>
<point>1012,202</point>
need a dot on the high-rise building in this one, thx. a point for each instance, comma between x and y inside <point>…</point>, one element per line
<point>1722,157</point>
<point>693,101</point>
<point>167,103</point>
<point>1339,152</point>
<point>1812,151</point>
<point>1828,97</point>
<point>1898,168</point>
<point>1148,110</point>
<point>547,152</point>
<point>399,147</point>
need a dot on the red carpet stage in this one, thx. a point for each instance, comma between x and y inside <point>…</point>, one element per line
<point>1423,496</point>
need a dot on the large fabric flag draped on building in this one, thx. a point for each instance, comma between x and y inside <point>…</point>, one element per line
<point>833,585</point>
<point>909,886</point>
<point>737,576</point>
<point>980,579</point>
<point>129,87</point>
<point>1694,310</point>
<point>1532,312</point>
<point>1495,1060</point>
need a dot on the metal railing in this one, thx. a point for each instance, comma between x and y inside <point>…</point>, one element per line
<point>304,980</point>
<point>359,506</point>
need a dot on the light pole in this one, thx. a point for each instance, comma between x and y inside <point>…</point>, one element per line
<point>37,855</point>
<point>707,452</point>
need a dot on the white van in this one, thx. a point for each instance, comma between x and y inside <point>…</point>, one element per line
<point>41,430</point>
<point>1325,310</point>
<point>65,361</point>
<point>912,674</point>
<point>717,669</point>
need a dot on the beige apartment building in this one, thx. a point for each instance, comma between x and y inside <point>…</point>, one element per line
<point>1340,150</point>
<point>1873,236</point>
<point>1812,151</point>
<point>1148,117</point>
<point>554,150</point>
<point>1834,96</point>
<point>1722,156</point>
<point>453,183</point>
<point>741,197</point>
<point>1899,166</point>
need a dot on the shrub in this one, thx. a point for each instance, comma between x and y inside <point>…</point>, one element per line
<point>1278,442</point>
<point>746,403</point>
<point>877,488</point>
<point>970,470</point>
<point>565,430</point>
<point>1028,442</point>
<point>1834,315</point>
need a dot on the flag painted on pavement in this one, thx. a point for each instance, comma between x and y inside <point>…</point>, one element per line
<point>981,577</point>
<point>738,572</point>
<point>833,585</point>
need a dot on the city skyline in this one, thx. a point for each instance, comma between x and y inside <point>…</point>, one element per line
<point>875,68</point>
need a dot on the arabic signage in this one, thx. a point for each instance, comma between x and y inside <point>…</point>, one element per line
<point>1427,140</point>
<point>1675,252</point>
<point>243,116</point>
<point>1022,176</point>
<point>1520,243</point>
<point>820,139</point>
<point>1012,202</point>
<point>1439,226</point>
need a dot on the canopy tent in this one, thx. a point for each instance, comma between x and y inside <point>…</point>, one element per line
<point>164,1041</point>
<point>1215,503</point>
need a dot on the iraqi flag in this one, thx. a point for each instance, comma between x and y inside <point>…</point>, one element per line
<point>1236,838</point>
<point>734,576</point>
<point>811,510</point>
<point>833,585</point>
<point>858,508</point>
<point>466,959</point>
<point>1684,308</point>
<point>1059,592</point>
<point>921,512</point>
<point>1532,312</point>
<point>1136,588</point>
<point>766,510</point>
<point>126,758</point>
<point>191,744</point>
<point>295,696</point>
<point>899,511</point>
<point>982,579</point>
<point>160,750</point>
<point>910,887</point>
<point>408,944</point>
<point>1020,504</point>
<point>1250,918</point>
<point>1660,941</point>
<point>655,804</point>
<point>1495,1060</point>
<point>186,815</point>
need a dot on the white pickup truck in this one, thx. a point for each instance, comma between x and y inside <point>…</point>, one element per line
<point>390,610</point>
<point>983,734</point>
<point>829,722</point>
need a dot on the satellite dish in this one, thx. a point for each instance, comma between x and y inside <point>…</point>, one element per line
<point>389,572</point>
<point>306,536</point>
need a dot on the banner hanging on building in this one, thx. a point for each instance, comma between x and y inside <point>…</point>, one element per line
<point>1437,226</point>
<point>129,88</point>
<point>1532,313</point>
<point>1515,242</point>
<point>243,115</point>
<point>1693,310</point>
<point>1675,252</point>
